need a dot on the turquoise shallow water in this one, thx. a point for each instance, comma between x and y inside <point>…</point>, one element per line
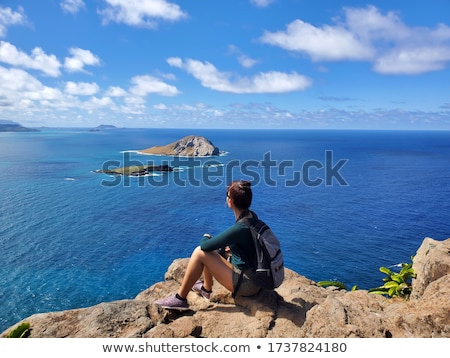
<point>72,238</point>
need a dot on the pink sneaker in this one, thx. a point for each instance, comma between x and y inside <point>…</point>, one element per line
<point>173,303</point>
<point>198,287</point>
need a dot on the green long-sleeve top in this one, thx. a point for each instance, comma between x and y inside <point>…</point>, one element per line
<point>239,239</point>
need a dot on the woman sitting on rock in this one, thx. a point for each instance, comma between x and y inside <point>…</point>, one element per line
<point>206,260</point>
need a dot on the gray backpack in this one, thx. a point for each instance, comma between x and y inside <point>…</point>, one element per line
<point>269,270</point>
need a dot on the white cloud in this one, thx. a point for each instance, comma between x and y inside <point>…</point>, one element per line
<point>38,60</point>
<point>263,82</point>
<point>140,13</point>
<point>114,91</point>
<point>413,61</point>
<point>79,59</point>
<point>243,59</point>
<point>175,62</point>
<point>160,106</point>
<point>81,88</point>
<point>144,85</point>
<point>72,6</point>
<point>9,17</point>
<point>246,61</point>
<point>367,34</point>
<point>95,103</point>
<point>322,44</point>
<point>262,3</point>
<point>20,89</point>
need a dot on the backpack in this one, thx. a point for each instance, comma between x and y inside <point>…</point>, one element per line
<point>269,270</point>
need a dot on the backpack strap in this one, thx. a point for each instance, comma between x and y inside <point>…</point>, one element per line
<point>248,221</point>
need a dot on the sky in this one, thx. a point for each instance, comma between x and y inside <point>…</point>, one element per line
<point>270,64</point>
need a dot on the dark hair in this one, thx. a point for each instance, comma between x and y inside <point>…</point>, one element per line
<point>240,192</point>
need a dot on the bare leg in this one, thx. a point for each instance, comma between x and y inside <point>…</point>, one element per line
<point>213,264</point>
<point>207,279</point>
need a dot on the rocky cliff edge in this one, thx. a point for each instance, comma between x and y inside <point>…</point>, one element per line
<point>298,308</point>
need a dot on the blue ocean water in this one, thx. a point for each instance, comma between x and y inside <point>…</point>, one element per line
<point>343,204</point>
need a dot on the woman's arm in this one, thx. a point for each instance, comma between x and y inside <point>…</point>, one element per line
<point>225,238</point>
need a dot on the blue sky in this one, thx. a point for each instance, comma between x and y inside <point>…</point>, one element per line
<point>226,64</point>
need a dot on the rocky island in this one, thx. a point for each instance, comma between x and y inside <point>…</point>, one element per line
<point>299,308</point>
<point>136,170</point>
<point>189,146</point>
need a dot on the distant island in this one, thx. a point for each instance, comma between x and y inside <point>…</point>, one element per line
<point>189,146</point>
<point>102,127</point>
<point>10,126</point>
<point>136,170</point>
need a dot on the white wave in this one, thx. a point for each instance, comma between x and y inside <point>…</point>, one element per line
<point>209,165</point>
<point>145,175</point>
<point>396,265</point>
<point>181,169</point>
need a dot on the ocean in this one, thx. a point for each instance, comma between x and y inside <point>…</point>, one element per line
<point>343,204</point>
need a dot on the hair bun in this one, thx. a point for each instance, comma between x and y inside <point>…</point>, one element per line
<point>244,184</point>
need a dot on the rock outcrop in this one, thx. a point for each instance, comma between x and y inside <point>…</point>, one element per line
<point>298,308</point>
<point>190,146</point>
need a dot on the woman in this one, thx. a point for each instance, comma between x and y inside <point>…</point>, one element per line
<point>206,259</point>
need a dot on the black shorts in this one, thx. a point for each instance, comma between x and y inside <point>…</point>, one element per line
<point>247,287</point>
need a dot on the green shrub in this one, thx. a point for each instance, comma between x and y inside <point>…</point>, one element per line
<point>21,331</point>
<point>396,284</point>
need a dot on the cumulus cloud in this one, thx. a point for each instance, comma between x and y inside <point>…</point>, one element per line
<point>38,60</point>
<point>366,34</point>
<point>9,17</point>
<point>326,43</point>
<point>263,82</point>
<point>115,91</point>
<point>145,84</point>
<point>79,59</point>
<point>81,88</point>
<point>413,60</point>
<point>95,102</point>
<point>140,13</point>
<point>72,6</point>
<point>22,89</point>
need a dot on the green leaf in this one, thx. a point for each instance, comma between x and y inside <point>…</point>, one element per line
<point>338,284</point>
<point>407,268</point>
<point>378,292</point>
<point>390,284</point>
<point>397,278</point>
<point>392,291</point>
<point>385,270</point>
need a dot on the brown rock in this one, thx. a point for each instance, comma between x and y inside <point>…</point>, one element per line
<point>432,260</point>
<point>298,308</point>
